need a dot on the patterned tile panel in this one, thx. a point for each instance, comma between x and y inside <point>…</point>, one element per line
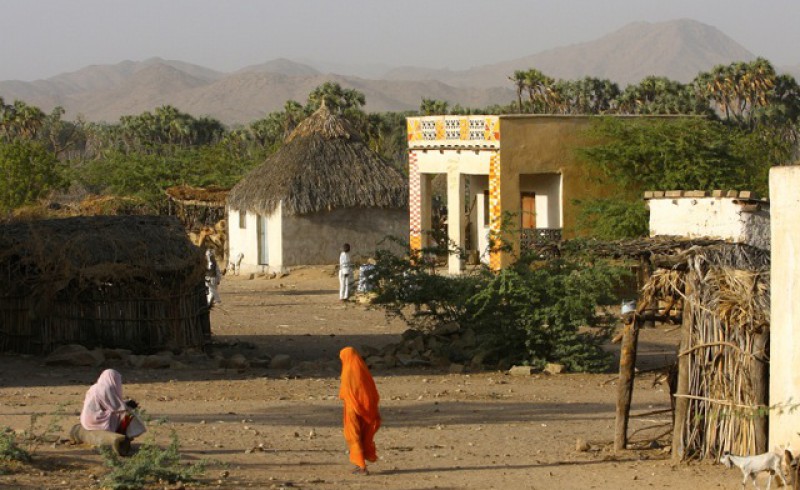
<point>414,202</point>
<point>495,210</point>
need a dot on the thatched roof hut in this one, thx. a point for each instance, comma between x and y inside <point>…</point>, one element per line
<point>115,281</point>
<point>322,188</point>
<point>323,165</point>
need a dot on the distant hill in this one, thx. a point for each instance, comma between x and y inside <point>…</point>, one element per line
<point>281,66</point>
<point>677,49</point>
<point>106,92</point>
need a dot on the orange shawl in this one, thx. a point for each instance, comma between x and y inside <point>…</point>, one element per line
<point>358,388</point>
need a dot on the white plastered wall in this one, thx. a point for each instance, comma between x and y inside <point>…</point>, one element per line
<point>784,366</point>
<point>457,165</point>
<point>712,217</point>
<point>245,240</point>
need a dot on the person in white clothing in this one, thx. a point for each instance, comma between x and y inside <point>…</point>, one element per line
<point>345,272</point>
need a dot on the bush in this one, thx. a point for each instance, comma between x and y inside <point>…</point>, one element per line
<point>10,451</point>
<point>533,312</point>
<point>149,464</point>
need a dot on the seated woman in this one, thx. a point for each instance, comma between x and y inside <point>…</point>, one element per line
<point>104,408</point>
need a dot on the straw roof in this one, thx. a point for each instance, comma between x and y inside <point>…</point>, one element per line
<point>149,255</point>
<point>202,196</point>
<point>323,165</point>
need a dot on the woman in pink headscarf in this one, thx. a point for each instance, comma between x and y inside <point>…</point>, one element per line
<point>104,408</point>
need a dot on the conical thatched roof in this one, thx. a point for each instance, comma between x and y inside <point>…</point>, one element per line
<point>323,165</point>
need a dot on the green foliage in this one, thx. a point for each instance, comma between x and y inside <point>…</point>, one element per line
<point>27,172</point>
<point>146,175</point>
<point>10,451</point>
<point>38,432</point>
<point>546,309</point>
<point>665,154</point>
<point>534,312</point>
<point>613,218</point>
<point>149,464</point>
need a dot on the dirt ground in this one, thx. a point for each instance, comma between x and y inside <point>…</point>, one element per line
<point>264,428</point>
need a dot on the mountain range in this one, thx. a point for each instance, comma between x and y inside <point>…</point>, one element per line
<point>678,49</point>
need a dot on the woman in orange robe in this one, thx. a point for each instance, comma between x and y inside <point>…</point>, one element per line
<point>361,416</point>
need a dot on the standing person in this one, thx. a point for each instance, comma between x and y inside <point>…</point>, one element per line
<point>104,408</point>
<point>345,272</point>
<point>361,416</point>
<point>213,278</point>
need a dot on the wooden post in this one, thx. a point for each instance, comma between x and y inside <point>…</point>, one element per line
<point>759,378</point>
<point>646,270</point>
<point>627,364</point>
<point>681,402</point>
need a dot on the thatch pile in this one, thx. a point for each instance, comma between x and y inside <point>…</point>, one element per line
<point>723,357</point>
<point>323,165</point>
<point>115,281</point>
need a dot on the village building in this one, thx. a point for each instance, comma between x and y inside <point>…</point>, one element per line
<point>130,282</point>
<point>522,167</point>
<point>322,188</point>
<point>733,216</point>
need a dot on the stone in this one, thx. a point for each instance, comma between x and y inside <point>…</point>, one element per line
<point>260,363</point>
<point>177,365</point>
<point>281,361</point>
<point>456,368</point>
<point>748,195</point>
<point>468,338</point>
<point>554,368</point>
<point>238,361</point>
<point>368,351</point>
<point>75,355</point>
<point>520,371</point>
<point>116,354</point>
<point>155,362</point>
<point>581,445</point>
<point>411,334</point>
<point>447,328</point>
<point>673,193</point>
<point>117,442</point>
<point>695,194</point>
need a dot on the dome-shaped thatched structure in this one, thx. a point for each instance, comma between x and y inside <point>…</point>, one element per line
<point>323,165</point>
<point>134,282</point>
<point>322,188</point>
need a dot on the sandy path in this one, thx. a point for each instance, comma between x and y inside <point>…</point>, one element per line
<point>472,431</point>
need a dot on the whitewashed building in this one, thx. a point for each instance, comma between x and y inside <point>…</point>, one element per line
<point>734,216</point>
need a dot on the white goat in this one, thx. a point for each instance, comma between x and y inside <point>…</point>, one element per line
<point>753,465</point>
<point>236,263</point>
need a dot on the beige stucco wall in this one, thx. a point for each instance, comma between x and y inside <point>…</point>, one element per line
<point>784,367</point>
<point>317,238</point>
<point>712,217</point>
<point>547,144</point>
<point>547,188</point>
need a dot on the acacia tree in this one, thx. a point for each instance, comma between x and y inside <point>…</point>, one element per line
<point>28,171</point>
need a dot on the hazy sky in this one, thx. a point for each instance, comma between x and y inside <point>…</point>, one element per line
<point>42,38</point>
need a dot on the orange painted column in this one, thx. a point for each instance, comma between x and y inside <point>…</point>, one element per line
<point>414,202</point>
<point>495,212</point>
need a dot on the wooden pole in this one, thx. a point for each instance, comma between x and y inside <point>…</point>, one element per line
<point>646,270</point>
<point>627,364</point>
<point>681,402</point>
<point>759,380</point>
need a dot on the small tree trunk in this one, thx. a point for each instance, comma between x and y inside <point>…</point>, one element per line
<point>627,364</point>
<point>682,403</point>
<point>760,381</point>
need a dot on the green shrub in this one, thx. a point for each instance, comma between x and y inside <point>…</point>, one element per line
<point>10,451</point>
<point>149,464</point>
<point>534,312</point>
